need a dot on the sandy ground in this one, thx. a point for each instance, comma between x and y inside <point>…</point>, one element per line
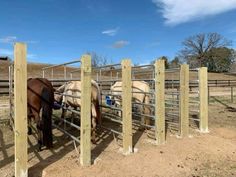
<point>211,154</point>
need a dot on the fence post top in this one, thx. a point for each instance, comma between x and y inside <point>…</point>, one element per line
<point>85,57</point>
<point>126,61</point>
<point>203,68</point>
<point>19,43</point>
<point>160,60</point>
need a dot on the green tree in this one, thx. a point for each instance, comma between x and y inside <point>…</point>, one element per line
<point>175,63</point>
<point>219,59</point>
<point>167,65</point>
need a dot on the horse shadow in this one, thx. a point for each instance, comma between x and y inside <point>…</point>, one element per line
<point>61,146</point>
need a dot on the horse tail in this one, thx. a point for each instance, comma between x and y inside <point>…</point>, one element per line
<point>98,102</point>
<point>47,97</point>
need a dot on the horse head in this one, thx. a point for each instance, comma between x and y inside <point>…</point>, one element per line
<point>57,94</point>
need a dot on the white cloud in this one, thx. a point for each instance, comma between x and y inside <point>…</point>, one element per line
<point>181,11</point>
<point>111,32</point>
<point>12,39</point>
<point>8,39</point>
<point>120,44</point>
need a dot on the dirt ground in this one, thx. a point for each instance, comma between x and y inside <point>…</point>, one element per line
<point>211,154</point>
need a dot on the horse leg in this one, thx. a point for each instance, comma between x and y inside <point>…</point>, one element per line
<point>29,113</point>
<point>39,129</point>
<point>63,114</point>
<point>29,126</point>
<point>73,115</point>
<point>94,124</point>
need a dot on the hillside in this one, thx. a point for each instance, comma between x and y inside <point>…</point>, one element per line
<point>35,70</point>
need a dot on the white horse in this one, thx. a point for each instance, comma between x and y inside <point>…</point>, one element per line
<point>140,94</point>
<point>73,88</point>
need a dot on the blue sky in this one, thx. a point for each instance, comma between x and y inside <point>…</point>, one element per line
<point>58,31</point>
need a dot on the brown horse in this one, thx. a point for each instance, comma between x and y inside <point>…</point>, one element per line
<point>40,96</point>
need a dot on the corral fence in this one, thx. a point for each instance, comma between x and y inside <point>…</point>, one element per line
<point>19,109</point>
<point>165,105</point>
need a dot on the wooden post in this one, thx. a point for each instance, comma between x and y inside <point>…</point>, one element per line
<point>43,73</point>
<point>184,100</point>
<point>160,101</point>
<point>20,110</point>
<point>85,129</point>
<point>127,107</point>
<point>203,94</point>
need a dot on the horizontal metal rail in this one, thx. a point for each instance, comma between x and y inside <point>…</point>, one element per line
<point>142,66</point>
<point>137,122</point>
<point>106,66</point>
<point>113,120</point>
<point>172,114</point>
<point>115,116</point>
<point>109,80</point>
<point>150,93</point>
<point>172,100</point>
<point>111,107</point>
<point>174,104</point>
<point>147,80</point>
<point>63,64</point>
<point>139,114</point>
<point>145,104</point>
<point>63,80</point>
<point>67,122</point>
<point>112,130</point>
<point>63,94</point>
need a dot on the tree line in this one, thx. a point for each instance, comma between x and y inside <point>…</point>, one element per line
<point>210,50</point>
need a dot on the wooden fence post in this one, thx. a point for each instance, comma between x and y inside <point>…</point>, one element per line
<point>184,100</point>
<point>160,101</point>
<point>203,92</point>
<point>127,107</point>
<point>85,129</point>
<point>20,110</point>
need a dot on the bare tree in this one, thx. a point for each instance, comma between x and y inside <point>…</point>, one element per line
<point>197,47</point>
<point>98,60</point>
